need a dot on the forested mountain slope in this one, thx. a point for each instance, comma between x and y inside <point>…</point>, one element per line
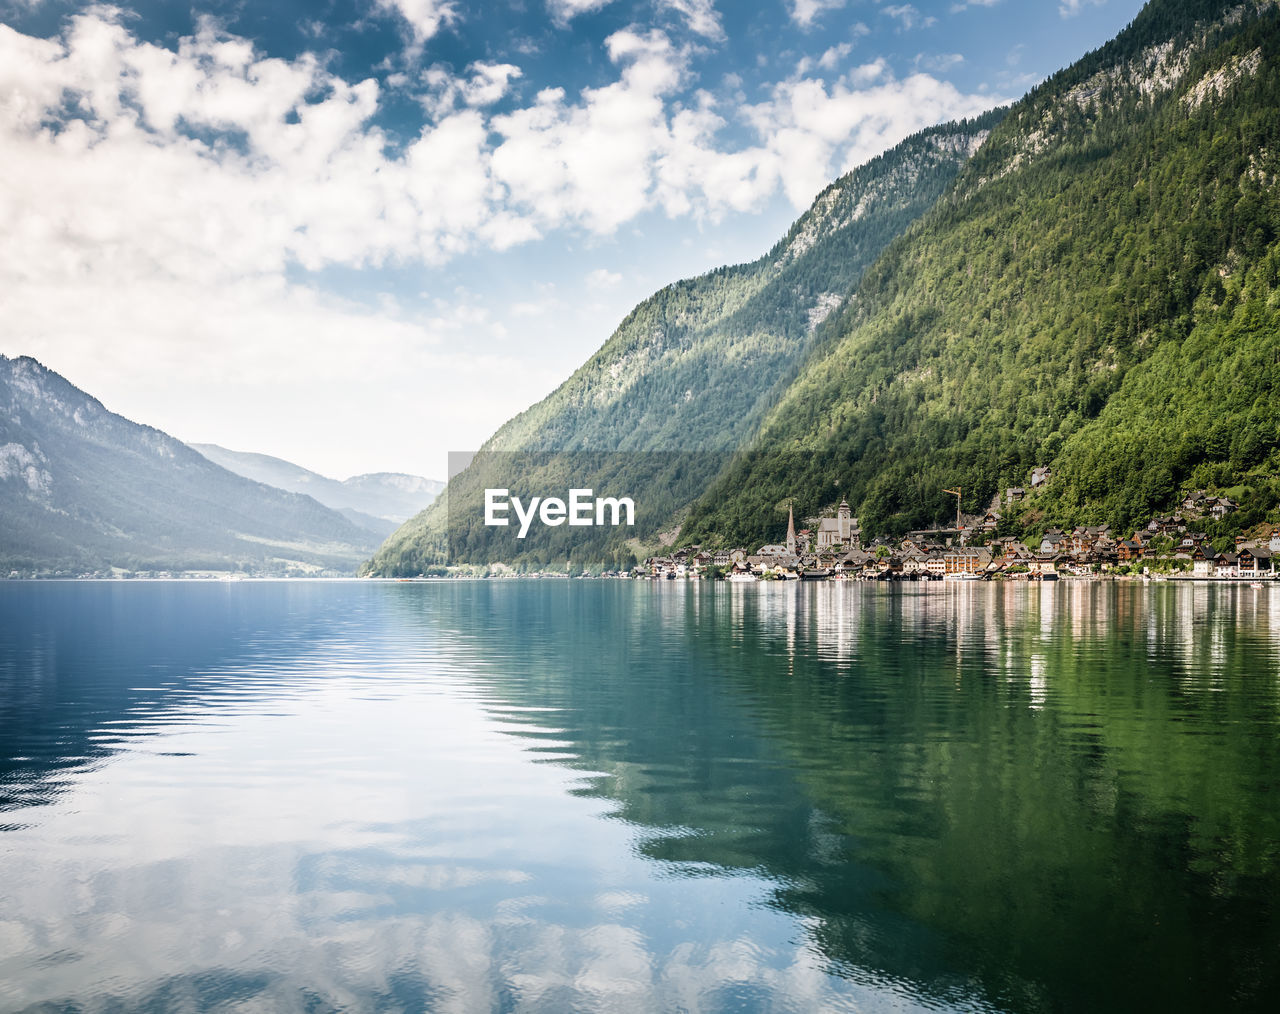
<point>733,332</point>
<point>84,490</point>
<point>695,367</point>
<point>1098,292</point>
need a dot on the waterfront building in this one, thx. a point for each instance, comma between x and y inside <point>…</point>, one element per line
<point>1252,561</point>
<point>965,561</point>
<point>840,531</point>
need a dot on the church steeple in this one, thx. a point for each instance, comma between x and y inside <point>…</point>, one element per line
<point>791,530</point>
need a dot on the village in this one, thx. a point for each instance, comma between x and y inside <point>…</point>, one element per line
<point>971,550</point>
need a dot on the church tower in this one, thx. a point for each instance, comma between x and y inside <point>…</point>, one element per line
<point>844,521</point>
<point>791,530</point>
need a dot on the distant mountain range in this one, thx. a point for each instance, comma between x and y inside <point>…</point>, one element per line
<point>1088,283</point>
<point>378,501</point>
<point>83,490</point>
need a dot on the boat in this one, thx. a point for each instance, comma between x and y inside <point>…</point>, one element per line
<point>743,576</point>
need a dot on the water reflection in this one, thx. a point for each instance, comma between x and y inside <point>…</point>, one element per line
<point>550,796</point>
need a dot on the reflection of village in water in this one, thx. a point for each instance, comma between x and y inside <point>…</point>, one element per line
<point>972,549</point>
<point>1001,762</point>
<point>1009,630</point>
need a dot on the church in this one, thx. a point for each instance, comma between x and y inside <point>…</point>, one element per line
<point>839,532</point>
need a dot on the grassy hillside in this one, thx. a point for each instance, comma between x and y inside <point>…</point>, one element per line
<point>1097,292</point>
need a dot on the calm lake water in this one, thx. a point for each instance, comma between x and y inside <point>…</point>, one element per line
<point>618,796</point>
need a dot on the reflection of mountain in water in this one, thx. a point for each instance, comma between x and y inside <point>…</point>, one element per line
<point>1053,793</point>
<point>87,666</point>
<point>1053,798</point>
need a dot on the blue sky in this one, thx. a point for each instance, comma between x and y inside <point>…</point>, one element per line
<point>361,233</point>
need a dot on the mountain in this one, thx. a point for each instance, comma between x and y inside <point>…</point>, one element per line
<point>396,496</point>
<point>693,370</point>
<point>378,501</point>
<point>1098,292</point>
<point>85,490</point>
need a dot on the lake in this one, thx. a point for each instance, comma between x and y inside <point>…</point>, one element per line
<point>633,796</point>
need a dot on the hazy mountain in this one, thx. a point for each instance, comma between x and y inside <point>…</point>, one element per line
<point>379,501</point>
<point>83,489</point>
<point>695,367</point>
<point>1098,292</point>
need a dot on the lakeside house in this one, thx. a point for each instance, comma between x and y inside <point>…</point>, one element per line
<point>965,561</point>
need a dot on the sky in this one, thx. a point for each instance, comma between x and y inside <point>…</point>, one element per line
<point>360,234</point>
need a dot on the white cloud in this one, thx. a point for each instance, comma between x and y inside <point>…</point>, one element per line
<point>908,17</point>
<point>424,17</point>
<point>701,16</point>
<point>1070,8</point>
<point>833,56</point>
<point>603,278</point>
<point>564,11</point>
<point>956,8</point>
<point>591,162</point>
<point>940,62</point>
<point>290,148</point>
<point>868,72</point>
<point>812,129</point>
<point>488,83</point>
<point>805,12</point>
